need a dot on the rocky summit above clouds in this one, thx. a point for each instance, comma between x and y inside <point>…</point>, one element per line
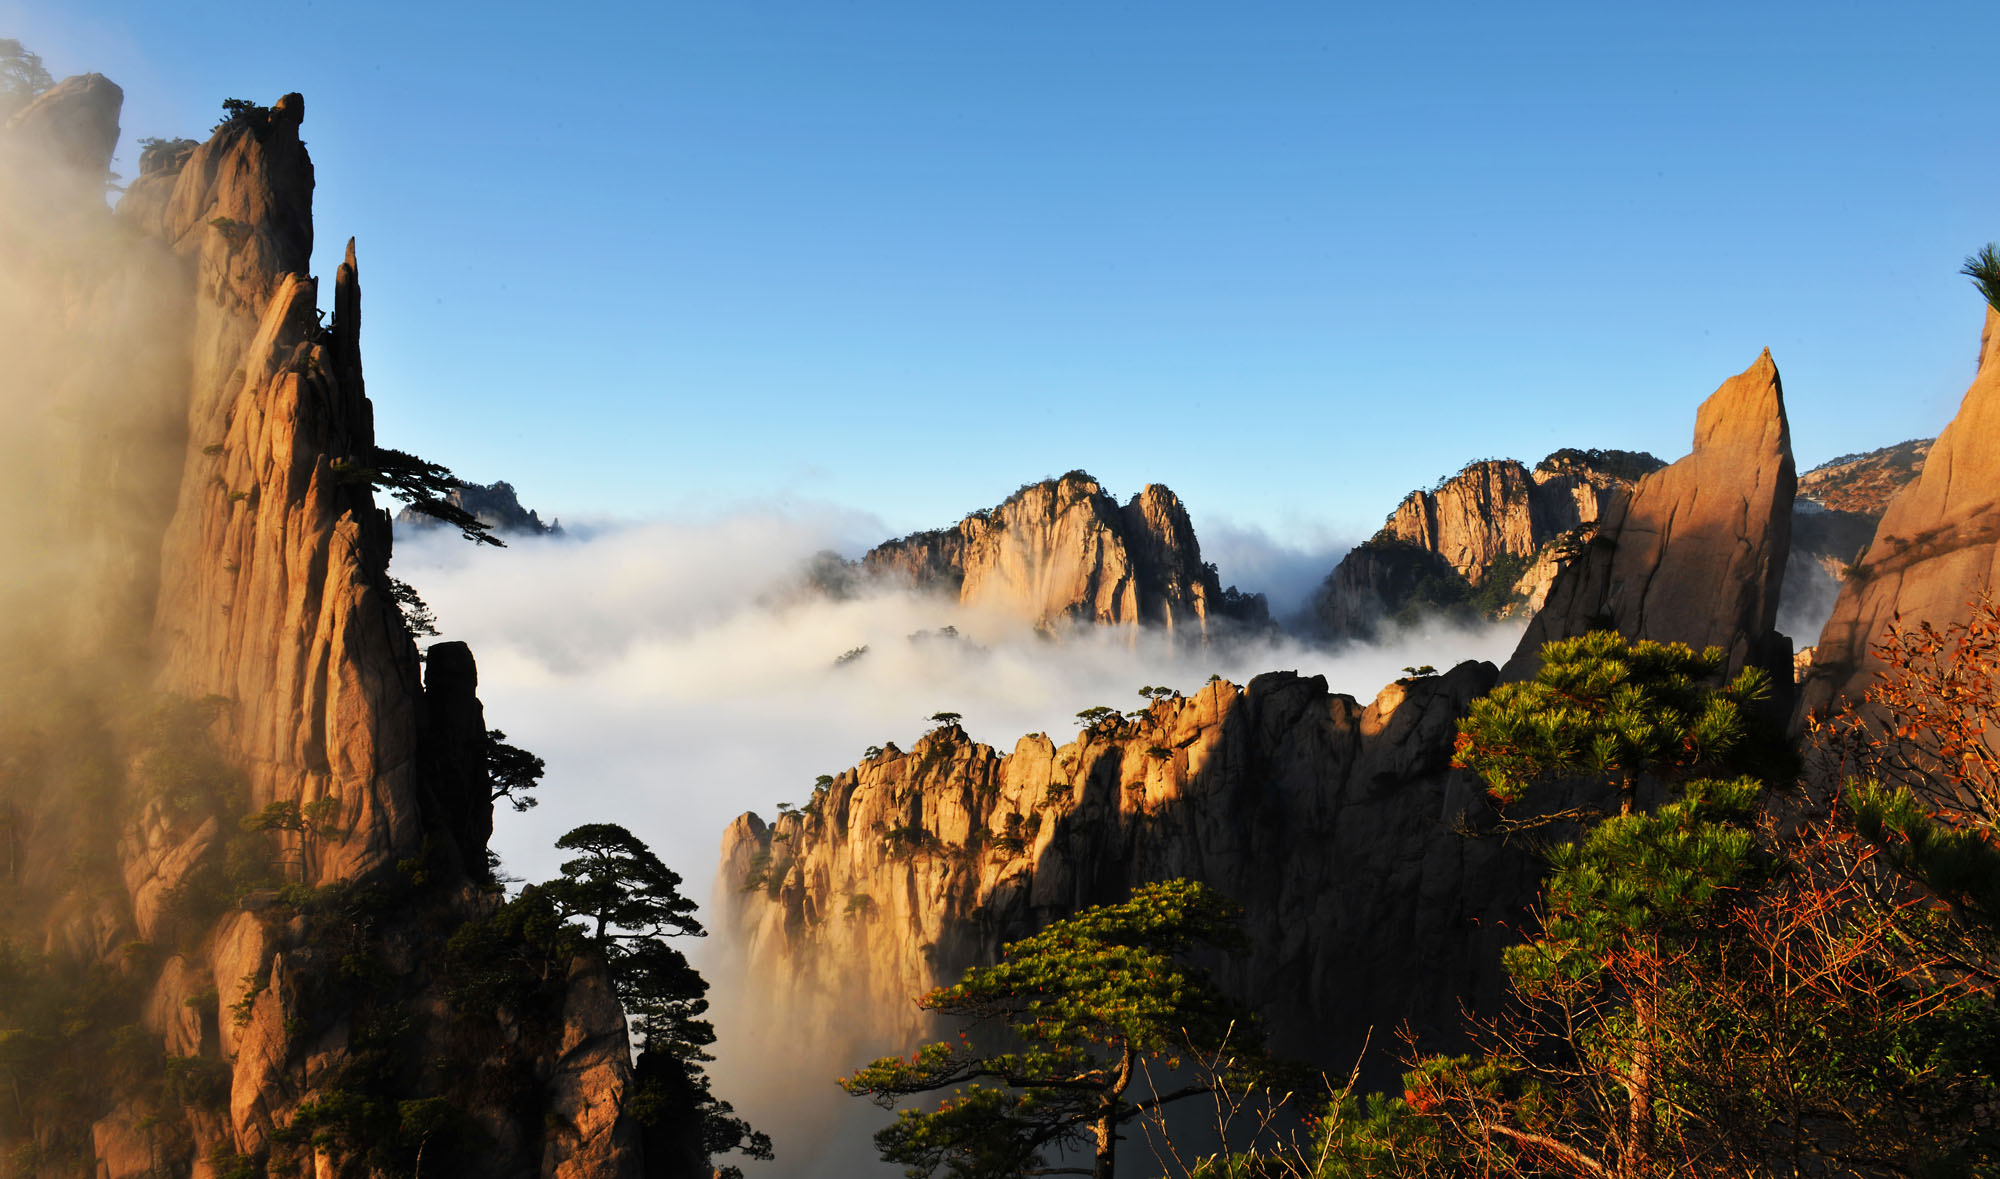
<point>1063,552</point>
<point>1335,824</point>
<point>210,555</point>
<point>496,505</point>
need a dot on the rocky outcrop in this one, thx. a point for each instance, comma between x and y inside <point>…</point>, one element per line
<point>68,135</point>
<point>1863,484</point>
<point>1063,552</point>
<point>228,800</point>
<point>1697,553</point>
<point>1382,581</point>
<point>1330,821</point>
<point>1483,542</point>
<point>1936,549</point>
<point>495,505</point>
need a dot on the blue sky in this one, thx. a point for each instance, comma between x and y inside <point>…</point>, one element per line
<point>1290,259</point>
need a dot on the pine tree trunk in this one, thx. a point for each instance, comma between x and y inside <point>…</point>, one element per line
<point>1107,1147</point>
<point>1639,1087</point>
<point>1107,1120</point>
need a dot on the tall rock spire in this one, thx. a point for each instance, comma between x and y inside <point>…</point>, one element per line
<point>1697,553</point>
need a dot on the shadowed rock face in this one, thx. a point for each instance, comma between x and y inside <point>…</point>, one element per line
<point>1936,549</point>
<point>1330,822</point>
<point>246,579</point>
<point>1697,554</point>
<point>1062,551</point>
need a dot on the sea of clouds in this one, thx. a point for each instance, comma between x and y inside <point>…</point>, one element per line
<point>675,673</point>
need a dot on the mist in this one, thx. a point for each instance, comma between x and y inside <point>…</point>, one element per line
<point>675,673</point>
<point>93,386</point>
<point>1286,572</point>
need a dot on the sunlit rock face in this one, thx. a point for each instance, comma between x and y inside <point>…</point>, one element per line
<point>1331,822</point>
<point>1864,484</point>
<point>1494,519</point>
<point>205,629</point>
<point>1063,551</point>
<point>1936,549</point>
<point>1697,553</point>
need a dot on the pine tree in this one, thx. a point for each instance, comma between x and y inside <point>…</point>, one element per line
<point>1086,1006</point>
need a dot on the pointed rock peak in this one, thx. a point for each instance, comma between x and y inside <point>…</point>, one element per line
<point>1746,415</point>
<point>1697,554</point>
<point>1989,341</point>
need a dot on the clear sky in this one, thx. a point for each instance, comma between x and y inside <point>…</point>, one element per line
<point>1290,259</point>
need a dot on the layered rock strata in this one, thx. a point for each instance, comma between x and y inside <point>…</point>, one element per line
<point>1936,549</point>
<point>1331,822</point>
<point>1697,553</point>
<point>287,735</point>
<point>1063,552</point>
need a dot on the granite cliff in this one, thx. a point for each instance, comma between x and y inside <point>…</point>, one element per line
<point>1338,825</point>
<point>1697,552</point>
<point>1484,542</point>
<point>1063,552</point>
<point>1936,549</point>
<point>1488,541</point>
<point>241,827</point>
<point>1327,818</point>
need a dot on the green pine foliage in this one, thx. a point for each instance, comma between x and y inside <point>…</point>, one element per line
<point>1076,1011</point>
<point>22,77</point>
<point>1607,708</point>
<point>616,902</point>
<point>1731,980</point>
<point>1983,268</point>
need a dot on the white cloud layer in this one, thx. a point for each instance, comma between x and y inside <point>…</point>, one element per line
<point>674,675</point>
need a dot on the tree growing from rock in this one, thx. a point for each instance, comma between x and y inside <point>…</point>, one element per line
<point>1075,1015</point>
<point>513,771</point>
<point>1983,268</point>
<point>1729,982</point>
<point>630,902</point>
<point>22,77</point>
